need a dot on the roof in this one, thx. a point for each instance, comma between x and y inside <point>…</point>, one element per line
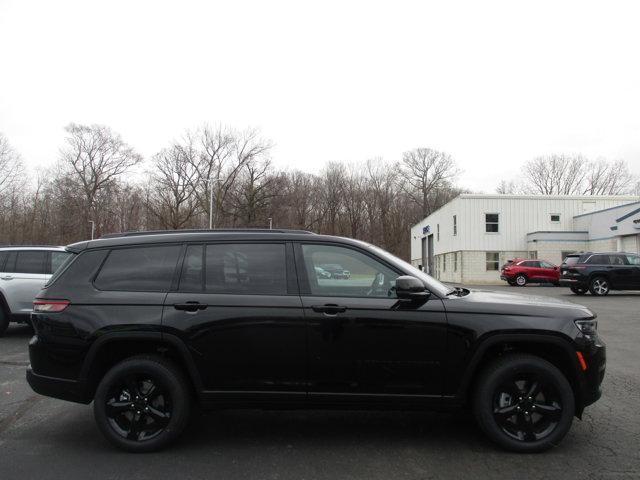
<point>630,198</point>
<point>31,247</point>
<point>196,236</point>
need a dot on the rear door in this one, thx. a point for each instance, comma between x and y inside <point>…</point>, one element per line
<point>363,344</point>
<point>549,271</point>
<point>237,308</point>
<point>634,266</point>
<point>25,273</point>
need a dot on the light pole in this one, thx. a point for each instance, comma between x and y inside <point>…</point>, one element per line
<point>93,228</point>
<point>270,223</point>
<point>209,182</point>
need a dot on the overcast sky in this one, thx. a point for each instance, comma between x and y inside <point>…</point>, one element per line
<point>492,83</point>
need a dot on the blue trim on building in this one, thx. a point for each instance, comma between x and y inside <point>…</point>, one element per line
<point>624,217</point>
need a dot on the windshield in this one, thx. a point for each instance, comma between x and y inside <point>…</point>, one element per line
<point>433,285</point>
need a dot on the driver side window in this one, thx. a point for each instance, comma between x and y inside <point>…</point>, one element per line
<point>342,272</point>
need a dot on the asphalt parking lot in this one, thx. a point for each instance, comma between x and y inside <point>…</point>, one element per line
<point>46,438</point>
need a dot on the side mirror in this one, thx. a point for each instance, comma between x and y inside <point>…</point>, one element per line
<point>410,288</point>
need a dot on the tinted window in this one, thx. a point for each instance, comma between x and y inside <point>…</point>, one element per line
<point>31,261</point>
<point>57,259</point>
<point>250,269</point>
<point>571,260</point>
<point>599,260</point>
<point>3,259</point>
<point>139,269</point>
<point>491,222</point>
<point>633,259</point>
<point>359,275</point>
<point>191,279</point>
<point>528,263</point>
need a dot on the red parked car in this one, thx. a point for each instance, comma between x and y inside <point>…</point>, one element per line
<point>520,272</point>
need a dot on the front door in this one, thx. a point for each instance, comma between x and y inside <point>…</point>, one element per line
<point>363,344</point>
<point>237,308</point>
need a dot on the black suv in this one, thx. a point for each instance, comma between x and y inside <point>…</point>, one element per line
<point>144,325</point>
<point>600,273</point>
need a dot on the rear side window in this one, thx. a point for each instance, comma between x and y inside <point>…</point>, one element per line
<point>599,260</point>
<point>633,259</point>
<point>248,269</point>
<point>146,269</point>
<point>31,261</point>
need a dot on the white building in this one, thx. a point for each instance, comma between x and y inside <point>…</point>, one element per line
<point>469,238</point>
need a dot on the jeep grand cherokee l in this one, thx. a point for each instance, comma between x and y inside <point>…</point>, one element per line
<point>144,325</point>
<point>599,273</point>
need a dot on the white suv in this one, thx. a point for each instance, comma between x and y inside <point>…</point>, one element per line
<point>23,272</point>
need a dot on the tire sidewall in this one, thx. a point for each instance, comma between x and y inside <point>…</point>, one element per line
<point>4,320</point>
<point>164,374</point>
<point>523,282</point>
<point>505,368</point>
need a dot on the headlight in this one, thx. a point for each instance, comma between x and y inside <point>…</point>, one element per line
<point>588,327</point>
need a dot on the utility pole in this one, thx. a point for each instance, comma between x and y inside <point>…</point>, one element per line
<point>93,228</point>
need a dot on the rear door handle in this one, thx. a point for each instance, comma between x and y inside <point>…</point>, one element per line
<point>190,306</point>
<point>6,277</point>
<point>329,309</point>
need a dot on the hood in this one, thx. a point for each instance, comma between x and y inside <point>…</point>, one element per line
<point>526,305</point>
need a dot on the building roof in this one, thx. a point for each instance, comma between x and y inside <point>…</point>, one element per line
<point>630,198</point>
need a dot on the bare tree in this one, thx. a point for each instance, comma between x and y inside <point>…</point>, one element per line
<point>555,174</point>
<point>97,157</point>
<point>424,171</point>
<point>11,166</point>
<point>608,178</point>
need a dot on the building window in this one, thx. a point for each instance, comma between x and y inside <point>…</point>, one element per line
<point>533,254</point>
<point>492,261</point>
<point>438,231</point>
<point>491,222</point>
<point>455,225</point>
<point>444,262</point>
<point>555,218</point>
<point>455,260</point>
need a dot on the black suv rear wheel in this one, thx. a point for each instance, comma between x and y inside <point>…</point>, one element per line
<point>142,404</point>
<point>524,403</point>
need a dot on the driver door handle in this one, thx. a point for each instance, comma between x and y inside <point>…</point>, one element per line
<point>329,309</point>
<point>190,306</point>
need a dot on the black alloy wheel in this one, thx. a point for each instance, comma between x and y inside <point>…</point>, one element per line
<point>142,403</point>
<point>526,408</point>
<point>524,403</point>
<point>138,408</point>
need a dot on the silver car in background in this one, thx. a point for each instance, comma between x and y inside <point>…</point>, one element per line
<point>23,272</point>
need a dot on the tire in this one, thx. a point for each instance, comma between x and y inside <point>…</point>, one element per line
<point>511,282</point>
<point>599,286</point>
<point>152,419</point>
<point>579,290</point>
<point>499,389</point>
<point>4,318</point>
<point>521,280</point>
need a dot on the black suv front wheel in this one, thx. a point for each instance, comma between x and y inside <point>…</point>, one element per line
<point>142,403</point>
<point>524,403</point>
<point>599,286</point>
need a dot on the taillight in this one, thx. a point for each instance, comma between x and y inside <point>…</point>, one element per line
<point>49,306</point>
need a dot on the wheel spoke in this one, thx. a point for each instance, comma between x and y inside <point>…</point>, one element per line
<point>159,417</point>
<point>132,386</point>
<point>134,428</point>
<point>525,427</point>
<point>549,412</point>
<point>534,389</point>
<point>505,413</point>
<point>115,408</point>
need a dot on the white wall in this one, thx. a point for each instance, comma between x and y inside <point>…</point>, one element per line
<point>519,215</point>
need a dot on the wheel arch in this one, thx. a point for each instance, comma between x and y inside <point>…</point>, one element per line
<point>555,349</point>
<point>112,348</point>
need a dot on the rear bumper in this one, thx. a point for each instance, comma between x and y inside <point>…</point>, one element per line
<point>56,387</point>
<point>571,282</point>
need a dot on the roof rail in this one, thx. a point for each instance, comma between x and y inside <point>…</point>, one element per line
<point>215,230</point>
<point>29,246</point>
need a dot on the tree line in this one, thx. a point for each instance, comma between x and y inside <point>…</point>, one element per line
<point>225,176</point>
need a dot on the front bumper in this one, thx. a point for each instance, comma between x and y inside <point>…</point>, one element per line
<point>595,357</point>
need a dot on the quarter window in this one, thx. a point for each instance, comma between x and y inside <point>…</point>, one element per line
<point>57,259</point>
<point>145,269</point>
<point>492,260</point>
<point>491,222</point>
<point>633,259</point>
<point>343,272</point>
